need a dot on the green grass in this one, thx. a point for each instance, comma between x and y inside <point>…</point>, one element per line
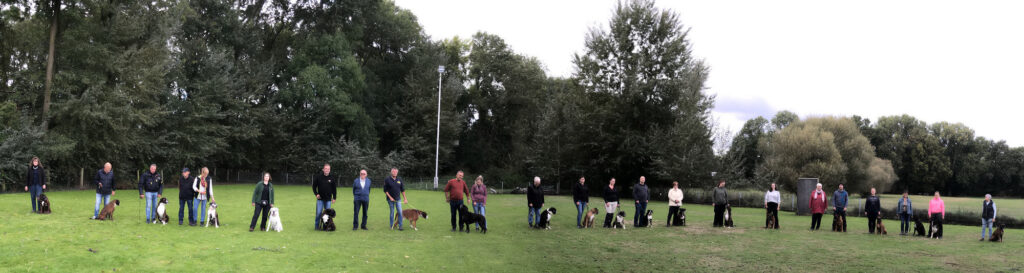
<point>1008,207</point>
<point>60,242</point>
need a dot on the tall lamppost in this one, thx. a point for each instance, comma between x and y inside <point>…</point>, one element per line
<point>437,143</point>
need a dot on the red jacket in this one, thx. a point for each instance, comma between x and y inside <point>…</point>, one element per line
<point>818,202</point>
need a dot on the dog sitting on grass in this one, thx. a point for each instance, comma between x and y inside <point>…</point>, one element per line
<point>44,204</point>
<point>545,218</point>
<point>935,230</point>
<point>619,219</point>
<point>680,218</point>
<point>161,212</point>
<point>918,227</point>
<point>588,220</point>
<point>997,236</point>
<point>214,217</point>
<point>837,223</point>
<point>274,220</point>
<point>728,216</point>
<point>770,220</point>
<point>108,210</point>
<point>880,228</point>
<point>468,218</point>
<point>327,220</point>
<point>650,218</point>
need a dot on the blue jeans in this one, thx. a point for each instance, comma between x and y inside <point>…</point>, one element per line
<point>321,205</point>
<point>181,211</point>
<point>641,209</point>
<point>105,198</point>
<point>534,216</point>
<point>34,191</point>
<point>200,205</point>
<point>986,223</point>
<point>479,209</point>
<point>151,206</point>
<point>904,223</point>
<point>579,212</point>
<point>394,207</point>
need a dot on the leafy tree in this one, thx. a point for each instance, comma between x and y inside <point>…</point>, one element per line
<point>917,157</point>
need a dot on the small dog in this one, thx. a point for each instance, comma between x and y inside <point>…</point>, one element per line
<point>108,210</point>
<point>880,228</point>
<point>837,223</point>
<point>650,218</point>
<point>770,220</point>
<point>619,220</point>
<point>680,218</point>
<point>327,220</point>
<point>997,236</point>
<point>728,216</point>
<point>213,217</point>
<point>545,218</point>
<point>161,212</point>
<point>588,220</point>
<point>918,227</point>
<point>44,204</point>
<point>935,230</point>
<point>275,220</point>
<point>412,215</point>
<point>467,219</point>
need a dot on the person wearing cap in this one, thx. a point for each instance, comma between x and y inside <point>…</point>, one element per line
<point>185,197</point>
<point>151,187</point>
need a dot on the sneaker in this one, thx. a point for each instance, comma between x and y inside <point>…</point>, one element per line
<point>981,240</point>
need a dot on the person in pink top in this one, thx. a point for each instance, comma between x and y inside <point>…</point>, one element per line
<point>937,211</point>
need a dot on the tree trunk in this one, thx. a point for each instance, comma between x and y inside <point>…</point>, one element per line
<point>55,8</point>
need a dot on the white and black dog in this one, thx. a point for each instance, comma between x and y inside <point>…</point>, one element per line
<point>619,220</point>
<point>213,218</point>
<point>161,212</point>
<point>545,218</point>
<point>728,216</point>
<point>44,204</point>
<point>650,218</point>
<point>275,220</point>
<point>327,220</point>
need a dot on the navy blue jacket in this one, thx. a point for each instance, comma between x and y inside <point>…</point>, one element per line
<point>104,182</point>
<point>36,176</point>
<point>151,182</point>
<point>361,193</point>
<point>394,187</point>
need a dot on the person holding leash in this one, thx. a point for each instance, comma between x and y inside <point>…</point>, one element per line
<point>35,182</point>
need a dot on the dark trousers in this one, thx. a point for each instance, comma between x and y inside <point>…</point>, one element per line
<point>872,221</point>
<point>937,218</point>
<point>842,213</point>
<point>719,215</point>
<point>181,211</point>
<point>454,205</point>
<point>904,223</point>
<point>640,217</point>
<point>357,204</point>
<point>816,221</point>
<point>673,213</point>
<point>260,209</point>
<point>773,210</point>
<point>608,219</point>
<point>34,191</point>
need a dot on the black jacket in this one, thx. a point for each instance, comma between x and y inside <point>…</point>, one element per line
<point>326,186</point>
<point>535,196</point>
<point>580,193</point>
<point>104,182</point>
<point>640,193</point>
<point>611,195</point>
<point>151,182</point>
<point>872,206</point>
<point>36,176</point>
<point>185,191</point>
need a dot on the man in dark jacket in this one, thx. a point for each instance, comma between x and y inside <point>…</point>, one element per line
<point>535,200</point>
<point>720,199</point>
<point>871,208</point>
<point>641,194</point>
<point>151,187</point>
<point>104,187</point>
<point>581,196</point>
<point>35,181</point>
<point>325,190</point>
<point>185,196</point>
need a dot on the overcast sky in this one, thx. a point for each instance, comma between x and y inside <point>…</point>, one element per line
<point>956,61</point>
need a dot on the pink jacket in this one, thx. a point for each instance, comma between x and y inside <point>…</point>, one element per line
<point>937,206</point>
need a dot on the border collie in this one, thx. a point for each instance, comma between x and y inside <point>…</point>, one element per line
<point>619,219</point>
<point>161,212</point>
<point>545,218</point>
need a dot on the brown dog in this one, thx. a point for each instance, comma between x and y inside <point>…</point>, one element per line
<point>410,214</point>
<point>997,236</point>
<point>108,210</point>
<point>837,223</point>
<point>588,220</point>
<point>880,228</point>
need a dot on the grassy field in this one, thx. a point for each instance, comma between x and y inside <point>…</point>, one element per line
<point>61,242</point>
<point>1008,207</point>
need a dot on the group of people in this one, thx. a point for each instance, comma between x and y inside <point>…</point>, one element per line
<point>610,194</point>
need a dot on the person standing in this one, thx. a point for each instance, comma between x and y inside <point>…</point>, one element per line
<point>839,200</point>
<point>772,199</point>
<point>872,206</point>
<point>395,193</point>
<point>581,196</point>
<point>151,187</point>
<point>937,211</point>
<point>478,193</point>
<point>35,181</point>
<point>720,198</point>
<point>818,205</point>
<point>535,200</point>
<point>325,190</point>
<point>203,187</point>
<point>263,200</point>
<point>675,200</point>
<point>641,195</point>
<point>361,199</point>
<point>905,210</point>
<point>988,215</point>
<point>453,194</point>
<point>104,187</point>
<point>611,202</point>
<point>185,197</point>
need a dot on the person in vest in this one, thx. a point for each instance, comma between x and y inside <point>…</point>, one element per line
<point>35,182</point>
<point>203,187</point>
<point>988,216</point>
<point>819,203</point>
<point>151,187</point>
<point>905,210</point>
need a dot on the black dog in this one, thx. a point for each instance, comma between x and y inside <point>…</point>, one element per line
<point>467,219</point>
<point>44,204</point>
<point>545,218</point>
<point>327,220</point>
<point>650,219</point>
<point>728,216</point>
<point>997,236</point>
<point>918,227</point>
<point>680,218</point>
<point>619,219</point>
<point>935,230</point>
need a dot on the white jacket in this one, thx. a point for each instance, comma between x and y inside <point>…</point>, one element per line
<point>675,197</point>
